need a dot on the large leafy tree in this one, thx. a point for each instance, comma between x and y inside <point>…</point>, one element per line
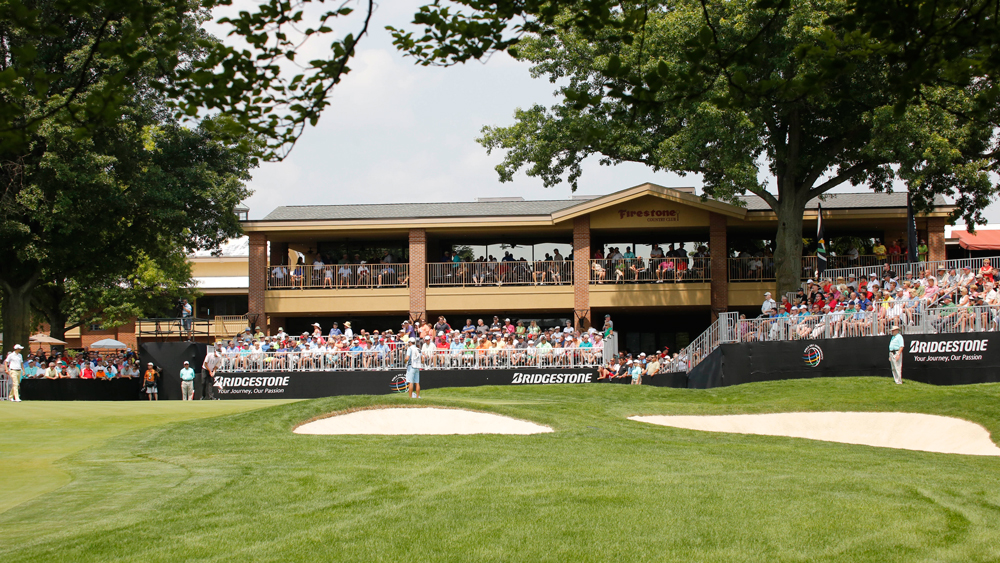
<point>722,98</point>
<point>89,197</point>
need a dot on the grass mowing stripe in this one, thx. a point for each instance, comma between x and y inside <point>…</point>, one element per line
<point>243,487</point>
<point>40,433</point>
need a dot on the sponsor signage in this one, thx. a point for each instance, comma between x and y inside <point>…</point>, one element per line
<point>313,384</point>
<point>938,359</point>
<point>959,350</point>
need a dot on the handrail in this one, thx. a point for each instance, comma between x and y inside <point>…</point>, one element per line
<point>338,276</point>
<point>914,269</point>
<point>512,272</point>
<point>656,270</point>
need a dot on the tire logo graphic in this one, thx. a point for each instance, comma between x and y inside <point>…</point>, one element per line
<point>398,384</point>
<point>812,355</point>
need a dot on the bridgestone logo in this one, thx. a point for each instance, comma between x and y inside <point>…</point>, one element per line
<point>948,346</point>
<point>253,381</point>
<point>526,378</point>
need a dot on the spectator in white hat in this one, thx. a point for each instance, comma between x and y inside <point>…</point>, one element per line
<point>768,304</point>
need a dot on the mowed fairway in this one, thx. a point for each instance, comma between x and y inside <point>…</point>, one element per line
<point>243,487</point>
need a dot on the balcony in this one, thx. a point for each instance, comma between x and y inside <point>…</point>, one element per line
<point>499,274</point>
<point>656,271</point>
<point>339,276</point>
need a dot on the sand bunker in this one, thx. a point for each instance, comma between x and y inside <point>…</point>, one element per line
<point>905,431</point>
<point>422,420</point>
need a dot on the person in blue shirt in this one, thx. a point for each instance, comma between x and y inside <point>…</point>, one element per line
<point>187,382</point>
<point>896,355</point>
<point>335,330</point>
<point>636,371</point>
<point>629,255</point>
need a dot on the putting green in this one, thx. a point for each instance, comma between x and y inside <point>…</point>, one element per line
<point>37,434</point>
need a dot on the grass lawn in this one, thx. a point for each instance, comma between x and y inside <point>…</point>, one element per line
<point>168,486</point>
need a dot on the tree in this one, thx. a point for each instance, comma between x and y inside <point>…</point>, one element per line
<point>692,98</point>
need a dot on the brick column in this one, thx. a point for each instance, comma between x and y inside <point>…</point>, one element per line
<point>418,274</point>
<point>257,270</point>
<point>720,271</point>
<point>581,272</point>
<point>935,239</point>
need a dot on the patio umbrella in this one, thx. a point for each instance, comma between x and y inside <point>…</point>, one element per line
<point>45,339</point>
<point>108,344</point>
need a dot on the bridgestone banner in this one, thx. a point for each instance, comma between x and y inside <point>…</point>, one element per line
<point>939,359</point>
<point>313,384</point>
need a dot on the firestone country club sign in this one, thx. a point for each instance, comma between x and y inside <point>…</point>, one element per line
<point>651,215</point>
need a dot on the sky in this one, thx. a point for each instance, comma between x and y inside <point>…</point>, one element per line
<point>396,132</point>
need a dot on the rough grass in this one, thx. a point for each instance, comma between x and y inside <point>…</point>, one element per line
<point>242,487</point>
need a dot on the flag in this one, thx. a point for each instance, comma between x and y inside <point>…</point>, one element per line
<point>911,232</point>
<point>820,243</point>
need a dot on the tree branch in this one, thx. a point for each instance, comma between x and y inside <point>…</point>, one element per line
<point>839,179</point>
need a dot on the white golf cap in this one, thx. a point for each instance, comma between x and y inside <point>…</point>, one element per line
<point>18,347</point>
<point>186,362</point>
<point>894,328</point>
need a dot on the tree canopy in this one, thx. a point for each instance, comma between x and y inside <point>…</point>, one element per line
<point>104,204</point>
<point>718,90</point>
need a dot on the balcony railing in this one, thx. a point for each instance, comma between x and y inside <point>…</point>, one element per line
<point>186,328</point>
<point>656,270</point>
<point>338,276</point>
<point>466,274</point>
<point>762,268</point>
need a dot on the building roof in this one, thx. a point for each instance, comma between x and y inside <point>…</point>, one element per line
<point>547,208</point>
<point>418,210</point>
<point>868,200</point>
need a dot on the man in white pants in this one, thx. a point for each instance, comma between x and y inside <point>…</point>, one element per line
<point>14,365</point>
<point>413,366</point>
<point>896,355</point>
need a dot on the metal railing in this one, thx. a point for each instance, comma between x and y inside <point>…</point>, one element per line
<point>914,269</point>
<point>169,327</point>
<point>320,359</point>
<point>762,268</point>
<point>229,325</point>
<point>514,272</point>
<point>656,270</point>
<point>5,385</point>
<point>338,276</point>
<point>913,316</point>
<point>721,331</point>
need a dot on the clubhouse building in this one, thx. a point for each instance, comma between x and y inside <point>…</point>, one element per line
<point>550,260</point>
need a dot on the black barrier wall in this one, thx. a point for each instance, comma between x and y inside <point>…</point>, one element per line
<point>118,389</point>
<point>313,384</point>
<point>939,359</point>
<point>169,357</point>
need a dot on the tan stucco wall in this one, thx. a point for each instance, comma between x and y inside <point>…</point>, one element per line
<point>651,295</point>
<point>286,302</point>
<point>493,298</point>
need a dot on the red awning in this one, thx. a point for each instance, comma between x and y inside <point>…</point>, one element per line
<point>982,240</point>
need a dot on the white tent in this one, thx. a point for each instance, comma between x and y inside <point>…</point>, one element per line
<point>108,344</point>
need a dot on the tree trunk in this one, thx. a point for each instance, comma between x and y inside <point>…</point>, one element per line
<point>16,314</point>
<point>788,245</point>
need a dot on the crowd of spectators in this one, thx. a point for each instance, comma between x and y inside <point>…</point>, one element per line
<point>672,265</point>
<point>81,365</point>
<point>476,344</point>
<point>345,272</point>
<point>952,300</point>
